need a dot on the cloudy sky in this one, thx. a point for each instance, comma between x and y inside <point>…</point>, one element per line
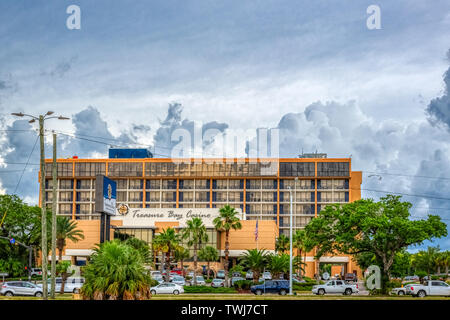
<point>138,70</point>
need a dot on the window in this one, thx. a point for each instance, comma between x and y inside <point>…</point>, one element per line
<point>153,184</point>
<point>136,184</point>
<point>84,184</point>
<point>122,184</point>
<point>186,184</point>
<point>169,184</point>
<point>125,169</point>
<point>66,184</point>
<point>66,196</point>
<point>89,169</point>
<point>333,169</point>
<point>297,169</point>
<point>135,196</point>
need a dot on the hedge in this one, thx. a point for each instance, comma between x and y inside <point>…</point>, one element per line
<point>205,289</point>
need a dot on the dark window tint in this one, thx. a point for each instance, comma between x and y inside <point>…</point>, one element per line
<point>333,169</point>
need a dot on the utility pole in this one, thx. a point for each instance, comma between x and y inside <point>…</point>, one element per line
<point>53,267</point>
<point>43,212</point>
<point>41,119</point>
<point>290,241</point>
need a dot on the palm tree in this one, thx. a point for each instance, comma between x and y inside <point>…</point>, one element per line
<point>278,264</point>
<point>66,229</point>
<point>208,254</point>
<point>226,221</point>
<point>282,244</point>
<point>301,243</point>
<point>255,260</point>
<point>169,241</point>
<point>195,232</point>
<point>116,272</point>
<point>141,246</point>
<point>181,254</point>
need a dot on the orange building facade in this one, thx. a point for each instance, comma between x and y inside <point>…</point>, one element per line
<point>153,194</point>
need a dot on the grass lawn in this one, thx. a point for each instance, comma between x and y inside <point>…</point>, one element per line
<point>65,296</point>
<point>227,296</point>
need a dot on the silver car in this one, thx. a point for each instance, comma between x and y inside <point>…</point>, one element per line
<point>72,285</point>
<point>179,280</point>
<point>20,288</point>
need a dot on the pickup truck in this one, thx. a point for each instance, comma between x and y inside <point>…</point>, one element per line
<point>429,288</point>
<point>335,286</point>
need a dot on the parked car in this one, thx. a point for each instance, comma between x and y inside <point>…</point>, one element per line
<point>295,280</point>
<point>402,290</point>
<point>267,275</point>
<point>234,279</point>
<point>167,288</point>
<point>335,286</point>
<point>220,274</point>
<point>154,274</point>
<point>429,288</point>
<point>20,288</point>
<point>236,274</point>
<point>216,283</point>
<point>200,281</point>
<point>36,272</point>
<point>249,275</point>
<point>351,277</point>
<point>271,286</point>
<point>177,271</point>
<point>72,285</point>
<point>190,274</point>
<point>412,278</point>
<point>179,280</point>
<point>159,278</point>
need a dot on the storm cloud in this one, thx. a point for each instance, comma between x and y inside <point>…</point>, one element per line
<point>439,109</point>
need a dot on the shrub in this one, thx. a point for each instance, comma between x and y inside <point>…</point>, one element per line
<point>243,284</point>
<point>393,284</point>
<point>205,289</point>
<point>208,280</point>
<point>307,286</point>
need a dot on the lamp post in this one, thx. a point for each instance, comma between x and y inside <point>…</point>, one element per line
<point>290,236</point>
<point>41,119</point>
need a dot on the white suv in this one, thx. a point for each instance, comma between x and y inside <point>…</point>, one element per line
<point>20,288</point>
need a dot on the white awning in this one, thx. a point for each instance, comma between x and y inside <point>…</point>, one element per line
<point>79,252</point>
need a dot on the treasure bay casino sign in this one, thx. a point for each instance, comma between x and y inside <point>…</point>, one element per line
<point>105,203</point>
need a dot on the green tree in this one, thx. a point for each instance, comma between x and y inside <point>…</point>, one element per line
<point>66,229</point>
<point>227,220</point>
<point>382,228</point>
<point>278,264</point>
<point>195,233</point>
<point>181,255</point>
<point>282,244</point>
<point>23,223</point>
<point>169,241</point>
<point>255,260</point>
<point>427,260</point>
<point>62,269</point>
<point>141,246</point>
<point>208,254</point>
<point>303,246</point>
<point>157,247</point>
<point>116,272</point>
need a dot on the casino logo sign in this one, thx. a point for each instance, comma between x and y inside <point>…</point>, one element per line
<point>123,209</point>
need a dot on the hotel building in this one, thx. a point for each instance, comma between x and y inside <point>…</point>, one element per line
<point>259,190</point>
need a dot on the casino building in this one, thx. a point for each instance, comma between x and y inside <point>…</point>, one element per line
<point>156,193</point>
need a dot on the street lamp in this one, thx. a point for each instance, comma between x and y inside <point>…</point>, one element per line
<point>41,119</point>
<point>290,236</point>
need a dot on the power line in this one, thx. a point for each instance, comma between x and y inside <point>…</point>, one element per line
<point>26,164</point>
<point>407,175</point>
